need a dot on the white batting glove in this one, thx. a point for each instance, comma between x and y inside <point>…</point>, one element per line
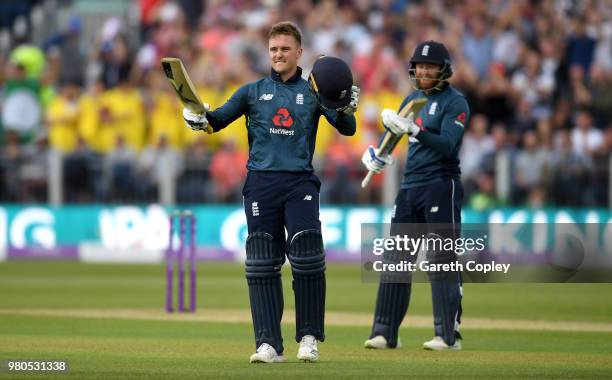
<point>197,122</point>
<point>398,125</point>
<point>352,107</point>
<point>373,162</point>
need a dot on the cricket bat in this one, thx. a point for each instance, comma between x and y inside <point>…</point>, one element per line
<point>390,140</point>
<point>182,85</point>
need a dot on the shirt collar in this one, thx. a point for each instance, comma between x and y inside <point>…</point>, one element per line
<point>296,77</point>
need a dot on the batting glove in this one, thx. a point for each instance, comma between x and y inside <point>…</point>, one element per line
<point>373,162</point>
<point>352,107</point>
<point>197,122</point>
<point>398,125</point>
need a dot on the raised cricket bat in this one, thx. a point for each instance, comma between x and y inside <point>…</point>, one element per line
<point>390,140</point>
<point>182,85</point>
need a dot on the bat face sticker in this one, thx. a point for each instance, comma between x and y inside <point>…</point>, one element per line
<point>175,72</point>
<point>168,70</point>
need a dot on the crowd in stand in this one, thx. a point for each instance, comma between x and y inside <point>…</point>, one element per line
<point>537,75</point>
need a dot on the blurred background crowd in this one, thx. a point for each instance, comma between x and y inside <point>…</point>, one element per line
<point>87,116</point>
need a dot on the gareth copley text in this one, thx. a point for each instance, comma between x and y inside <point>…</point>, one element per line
<point>426,266</point>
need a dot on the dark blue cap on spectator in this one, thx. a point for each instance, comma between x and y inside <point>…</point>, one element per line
<point>331,79</point>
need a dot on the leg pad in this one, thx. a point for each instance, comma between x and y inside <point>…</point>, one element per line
<point>263,264</point>
<point>307,259</point>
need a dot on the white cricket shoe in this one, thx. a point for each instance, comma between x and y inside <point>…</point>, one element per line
<point>308,351</point>
<point>266,354</point>
<point>438,344</point>
<point>380,342</point>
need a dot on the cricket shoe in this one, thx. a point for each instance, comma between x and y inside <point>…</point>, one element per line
<point>380,342</point>
<point>266,354</point>
<point>308,351</point>
<point>438,344</point>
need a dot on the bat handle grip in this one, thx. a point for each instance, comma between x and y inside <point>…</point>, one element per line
<point>367,179</point>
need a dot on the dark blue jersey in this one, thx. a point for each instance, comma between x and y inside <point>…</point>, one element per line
<point>281,119</point>
<point>434,154</point>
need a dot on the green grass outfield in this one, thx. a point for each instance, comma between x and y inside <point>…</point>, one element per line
<point>108,322</point>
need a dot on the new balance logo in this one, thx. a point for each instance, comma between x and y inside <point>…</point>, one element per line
<point>266,97</point>
<point>434,209</point>
<point>299,99</point>
<point>425,51</point>
<point>308,198</point>
<point>255,208</point>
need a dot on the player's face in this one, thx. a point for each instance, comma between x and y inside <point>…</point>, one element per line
<point>284,52</point>
<point>427,74</point>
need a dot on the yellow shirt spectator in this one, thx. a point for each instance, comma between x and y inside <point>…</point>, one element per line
<point>96,123</point>
<point>62,119</point>
<point>127,114</point>
<point>165,120</point>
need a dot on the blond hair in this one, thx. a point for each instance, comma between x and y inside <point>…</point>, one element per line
<point>288,28</point>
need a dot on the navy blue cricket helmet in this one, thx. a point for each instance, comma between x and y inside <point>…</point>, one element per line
<point>331,80</point>
<point>431,52</point>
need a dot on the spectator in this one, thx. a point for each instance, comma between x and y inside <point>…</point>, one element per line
<point>478,44</point>
<point>116,61</point>
<point>531,166</point>
<point>580,46</point>
<point>586,139</point>
<point>601,94</point>
<point>21,92</point>
<point>571,172</point>
<point>62,118</point>
<point>476,145</point>
<point>127,109</point>
<point>96,121</point>
<point>67,44</point>
<point>533,85</point>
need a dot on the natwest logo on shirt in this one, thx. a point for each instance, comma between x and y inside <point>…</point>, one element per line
<point>282,118</point>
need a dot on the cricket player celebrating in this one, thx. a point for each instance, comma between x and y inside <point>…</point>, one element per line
<point>281,191</point>
<point>431,192</point>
